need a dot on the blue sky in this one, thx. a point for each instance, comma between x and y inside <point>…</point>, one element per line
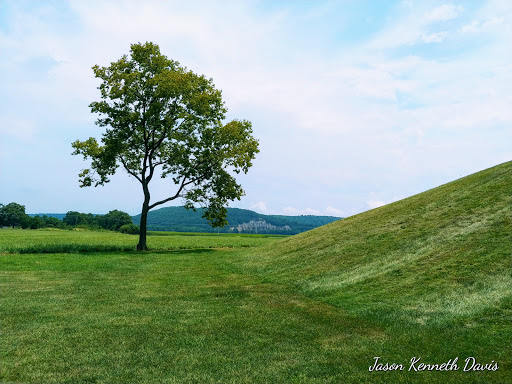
<point>356,103</point>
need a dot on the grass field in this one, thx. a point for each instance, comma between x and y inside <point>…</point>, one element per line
<point>429,277</point>
<point>64,241</point>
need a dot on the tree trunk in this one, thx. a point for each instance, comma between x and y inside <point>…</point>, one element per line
<point>143,227</point>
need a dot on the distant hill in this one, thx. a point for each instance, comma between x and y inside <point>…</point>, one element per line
<point>180,219</point>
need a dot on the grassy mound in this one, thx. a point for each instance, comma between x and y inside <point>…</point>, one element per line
<point>447,250</point>
<point>436,265</point>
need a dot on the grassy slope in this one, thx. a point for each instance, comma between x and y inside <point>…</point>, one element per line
<point>436,265</point>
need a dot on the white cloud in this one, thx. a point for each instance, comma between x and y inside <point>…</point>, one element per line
<point>331,211</point>
<point>373,82</point>
<point>479,26</point>
<point>443,12</point>
<point>20,128</point>
<point>260,207</point>
<point>436,37</point>
<point>291,211</point>
<point>416,26</point>
<point>311,211</point>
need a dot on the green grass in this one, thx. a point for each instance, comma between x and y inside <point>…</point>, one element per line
<point>429,276</point>
<point>165,317</point>
<point>62,241</point>
<point>249,235</point>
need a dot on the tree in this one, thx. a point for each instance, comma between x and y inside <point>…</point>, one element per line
<point>114,220</point>
<point>3,218</point>
<point>12,214</point>
<point>74,218</point>
<point>34,222</point>
<point>160,117</point>
<point>52,222</point>
<point>130,229</point>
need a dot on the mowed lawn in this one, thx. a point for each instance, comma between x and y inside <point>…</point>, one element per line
<point>178,316</point>
<point>59,241</point>
<point>195,316</point>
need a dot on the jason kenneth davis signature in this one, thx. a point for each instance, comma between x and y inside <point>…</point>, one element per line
<point>416,365</point>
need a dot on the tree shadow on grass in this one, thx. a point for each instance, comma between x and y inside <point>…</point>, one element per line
<point>184,251</point>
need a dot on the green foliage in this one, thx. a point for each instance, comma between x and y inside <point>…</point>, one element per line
<point>130,229</point>
<point>114,220</point>
<point>37,221</point>
<point>52,222</point>
<point>74,218</point>
<point>160,116</point>
<point>111,221</point>
<point>13,214</point>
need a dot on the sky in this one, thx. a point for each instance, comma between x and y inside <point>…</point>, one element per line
<point>355,104</point>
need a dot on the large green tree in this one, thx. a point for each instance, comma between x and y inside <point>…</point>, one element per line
<point>114,220</point>
<point>160,117</point>
<point>74,218</point>
<point>12,214</point>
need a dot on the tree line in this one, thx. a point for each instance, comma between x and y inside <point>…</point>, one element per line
<point>13,215</point>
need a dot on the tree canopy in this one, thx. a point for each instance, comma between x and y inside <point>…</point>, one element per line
<point>114,220</point>
<point>161,117</point>
<point>12,214</point>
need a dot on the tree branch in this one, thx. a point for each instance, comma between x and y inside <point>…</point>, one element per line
<point>128,170</point>
<point>183,184</point>
<point>146,149</point>
<point>151,169</point>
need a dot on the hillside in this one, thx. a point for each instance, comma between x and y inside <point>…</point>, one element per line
<point>437,265</point>
<point>240,221</point>
<point>454,238</point>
